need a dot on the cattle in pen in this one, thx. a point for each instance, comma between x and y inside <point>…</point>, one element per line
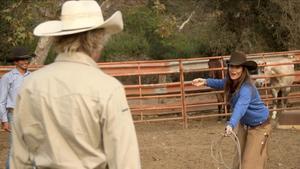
<point>279,78</point>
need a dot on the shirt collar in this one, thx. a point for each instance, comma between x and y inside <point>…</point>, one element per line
<point>15,71</point>
<point>76,57</point>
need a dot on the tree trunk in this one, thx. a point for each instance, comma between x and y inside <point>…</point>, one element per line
<point>42,50</point>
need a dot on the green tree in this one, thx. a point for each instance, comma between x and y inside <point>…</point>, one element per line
<point>270,25</point>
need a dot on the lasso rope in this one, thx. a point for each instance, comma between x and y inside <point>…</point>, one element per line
<point>216,152</point>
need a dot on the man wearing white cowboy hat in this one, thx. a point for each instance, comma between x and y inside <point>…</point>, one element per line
<point>70,114</point>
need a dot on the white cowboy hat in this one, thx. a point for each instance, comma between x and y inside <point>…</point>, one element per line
<point>80,16</point>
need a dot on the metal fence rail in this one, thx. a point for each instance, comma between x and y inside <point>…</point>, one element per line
<point>161,90</point>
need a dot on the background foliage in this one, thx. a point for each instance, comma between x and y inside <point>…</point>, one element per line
<point>152,27</point>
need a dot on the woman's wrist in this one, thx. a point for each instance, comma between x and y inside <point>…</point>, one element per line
<point>205,82</point>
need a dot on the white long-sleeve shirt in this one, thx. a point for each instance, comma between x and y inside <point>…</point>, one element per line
<point>10,84</point>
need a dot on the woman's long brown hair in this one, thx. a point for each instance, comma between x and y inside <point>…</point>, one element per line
<point>231,89</point>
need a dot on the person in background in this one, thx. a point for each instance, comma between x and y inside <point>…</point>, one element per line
<point>10,84</point>
<point>70,114</point>
<point>249,114</point>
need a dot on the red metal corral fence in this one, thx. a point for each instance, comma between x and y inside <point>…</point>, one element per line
<point>161,90</point>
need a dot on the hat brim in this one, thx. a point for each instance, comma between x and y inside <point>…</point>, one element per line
<point>113,25</point>
<point>250,65</point>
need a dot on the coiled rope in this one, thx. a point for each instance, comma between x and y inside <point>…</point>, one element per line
<point>216,150</point>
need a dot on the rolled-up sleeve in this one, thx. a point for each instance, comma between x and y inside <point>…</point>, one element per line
<point>120,141</point>
<point>4,87</point>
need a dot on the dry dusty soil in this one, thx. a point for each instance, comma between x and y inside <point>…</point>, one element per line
<point>167,145</point>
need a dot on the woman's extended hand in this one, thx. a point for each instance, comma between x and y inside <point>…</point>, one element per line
<point>199,82</point>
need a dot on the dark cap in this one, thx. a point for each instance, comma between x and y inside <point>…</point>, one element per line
<point>19,53</point>
<point>239,59</point>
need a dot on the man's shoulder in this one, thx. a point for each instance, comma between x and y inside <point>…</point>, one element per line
<point>7,75</point>
<point>41,72</point>
<point>109,81</point>
<point>12,71</point>
<point>86,75</point>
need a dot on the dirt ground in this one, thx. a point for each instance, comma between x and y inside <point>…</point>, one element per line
<point>168,145</point>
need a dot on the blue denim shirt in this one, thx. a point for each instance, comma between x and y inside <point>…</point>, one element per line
<point>247,106</point>
<point>10,84</point>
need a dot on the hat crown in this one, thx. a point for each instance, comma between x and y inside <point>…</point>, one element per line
<point>237,58</point>
<point>80,14</point>
<point>19,53</point>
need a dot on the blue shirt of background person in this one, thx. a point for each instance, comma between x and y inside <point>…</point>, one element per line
<point>9,86</point>
<point>247,106</point>
<point>11,82</point>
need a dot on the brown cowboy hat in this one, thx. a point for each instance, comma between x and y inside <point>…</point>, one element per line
<point>19,53</point>
<point>239,59</point>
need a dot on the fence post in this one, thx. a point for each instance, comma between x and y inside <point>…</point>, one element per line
<point>183,105</point>
<point>224,96</point>
<point>140,90</point>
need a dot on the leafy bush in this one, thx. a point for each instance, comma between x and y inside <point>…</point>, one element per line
<point>125,44</point>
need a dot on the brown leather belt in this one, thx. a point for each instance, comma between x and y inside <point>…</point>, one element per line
<point>262,124</point>
<point>10,110</point>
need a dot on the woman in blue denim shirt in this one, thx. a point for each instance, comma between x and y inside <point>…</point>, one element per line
<point>249,114</point>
